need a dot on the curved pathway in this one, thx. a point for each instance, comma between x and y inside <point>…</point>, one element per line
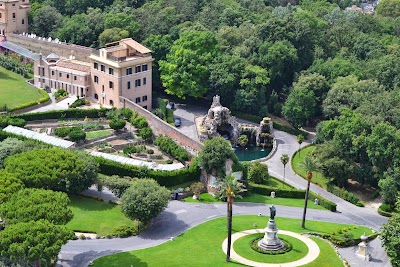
<point>181,216</point>
<point>313,250</point>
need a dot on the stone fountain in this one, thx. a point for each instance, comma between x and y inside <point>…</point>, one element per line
<point>271,240</point>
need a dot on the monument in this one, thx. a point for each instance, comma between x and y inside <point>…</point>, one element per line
<point>271,240</point>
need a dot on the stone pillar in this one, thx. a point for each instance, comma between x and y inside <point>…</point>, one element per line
<point>362,251</point>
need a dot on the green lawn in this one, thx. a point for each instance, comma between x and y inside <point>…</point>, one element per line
<point>299,250</point>
<point>14,91</point>
<point>318,178</point>
<point>202,245</point>
<point>97,134</point>
<point>95,216</point>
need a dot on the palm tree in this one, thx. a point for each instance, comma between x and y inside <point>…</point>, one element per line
<point>300,139</point>
<point>229,190</point>
<point>309,165</point>
<point>284,160</point>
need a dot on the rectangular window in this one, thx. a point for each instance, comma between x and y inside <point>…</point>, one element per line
<point>111,71</point>
<point>137,100</point>
<point>23,22</point>
<point>95,65</point>
<point>103,68</point>
<point>145,107</point>
<point>144,67</point>
<point>1,14</point>
<point>96,79</point>
<point>129,85</point>
<point>52,72</point>
<point>144,81</point>
<point>111,84</point>
<point>75,78</point>
<point>144,98</point>
<point>60,74</point>
<point>13,16</point>
<point>138,69</point>
<point>67,76</point>
<point>128,71</point>
<point>137,83</point>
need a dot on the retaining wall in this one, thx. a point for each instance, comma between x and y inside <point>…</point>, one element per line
<point>43,46</point>
<point>161,127</point>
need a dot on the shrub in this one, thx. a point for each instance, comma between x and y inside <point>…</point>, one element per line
<point>91,126</point>
<point>139,122</point>
<point>117,124</point>
<point>77,103</point>
<point>327,204</point>
<point>150,151</point>
<point>60,94</point>
<point>132,149</point>
<point>5,121</point>
<point>116,184</point>
<point>123,231</point>
<point>197,188</point>
<point>64,131</point>
<point>258,173</point>
<point>146,133</point>
<point>169,161</point>
<point>77,135</point>
<point>169,146</point>
<point>127,113</point>
<point>82,237</point>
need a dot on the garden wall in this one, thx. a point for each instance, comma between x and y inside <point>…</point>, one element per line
<point>161,127</point>
<point>43,46</point>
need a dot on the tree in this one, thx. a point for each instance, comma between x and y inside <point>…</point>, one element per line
<point>197,188</point>
<point>309,165</point>
<point>32,204</point>
<point>11,146</point>
<point>300,106</point>
<point>214,155</point>
<point>9,184</point>
<point>243,140</point>
<point>46,21</point>
<point>117,124</point>
<point>146,133</point>
<point>314,82</point>
<point>390,185</point>
<point>123,21</point>
<point>388,8</point>
<point>258,173</point>
<point>229,190</point>
<point>112,35</point>
<point>54,168</point>
<point>284,160</point>
<point>33,241</point>
<point>116,184</point>
<point>390,237</point>
<point>300,140</point>
<point>185,72</point>
<point>144,200</point>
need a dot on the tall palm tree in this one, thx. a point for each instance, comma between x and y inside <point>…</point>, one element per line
<point>229,190</point>
<point>284,160</point>
<point>309,165</point>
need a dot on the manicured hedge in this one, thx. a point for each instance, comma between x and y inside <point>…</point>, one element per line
<point>292,193</point>
<point>62,114</point>
<point>165,178</point>
<point>344,194</point>
<point>169,146</point>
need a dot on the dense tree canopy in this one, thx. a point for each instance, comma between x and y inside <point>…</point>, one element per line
<point>9,184</point>
<point>390,236</point>
<point>33,241</point>
<point>54,168</point>
<point>32,204</point>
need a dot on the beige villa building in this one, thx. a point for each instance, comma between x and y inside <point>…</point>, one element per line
<point>14,16</point>
<point>121,69</point>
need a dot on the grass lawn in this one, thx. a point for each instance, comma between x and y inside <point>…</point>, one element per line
<point>256,198</point>
<point>202,245</point>
<point>318,178</point>
<point>14,91</point>
<point>97,134</point>
<point>96,217</point>
<point>299,250</point>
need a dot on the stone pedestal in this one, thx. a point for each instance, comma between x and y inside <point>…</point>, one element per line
<point>362,251</point>
<point>271,240</point>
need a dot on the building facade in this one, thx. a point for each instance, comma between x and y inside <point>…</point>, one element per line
<point>121,69</point>
<point>13,16</point>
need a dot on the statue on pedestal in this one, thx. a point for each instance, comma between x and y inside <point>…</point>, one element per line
<point>271,240</point>
<point>272,210</point>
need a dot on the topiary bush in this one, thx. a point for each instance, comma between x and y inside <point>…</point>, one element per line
<point>77,135</point>
<point>117,124</point>
<point>77,103</point>
<point>60,94</point>
<point>139,122</point>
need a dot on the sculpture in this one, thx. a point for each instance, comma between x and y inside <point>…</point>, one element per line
<point>272,210</point>
<point>271,240</point>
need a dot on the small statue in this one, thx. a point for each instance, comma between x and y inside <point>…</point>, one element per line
<point>272,210</point>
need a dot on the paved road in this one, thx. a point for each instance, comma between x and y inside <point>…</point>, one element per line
<point>187,114</point>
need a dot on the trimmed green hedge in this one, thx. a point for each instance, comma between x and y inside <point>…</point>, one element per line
<point>344,194</point>
<point>342,241</point>
<point>169,146</point>
<point>62,114</point>
<point>165,178</point>
<point>292,193</point>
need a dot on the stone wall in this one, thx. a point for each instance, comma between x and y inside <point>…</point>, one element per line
<point>161,127</point>
<point>43,46</point>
